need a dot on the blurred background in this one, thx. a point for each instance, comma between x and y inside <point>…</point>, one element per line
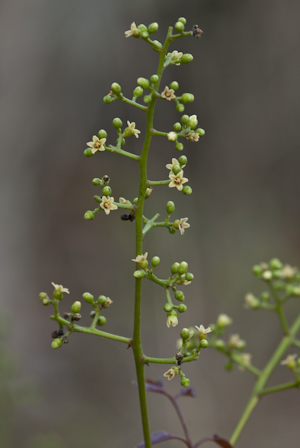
<point>58,60</point>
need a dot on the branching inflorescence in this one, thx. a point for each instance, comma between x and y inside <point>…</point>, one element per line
<point>283,281</point>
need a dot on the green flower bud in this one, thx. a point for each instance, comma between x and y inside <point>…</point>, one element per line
<point>96,181</point>
<point>89,298</point>
<point>168,307</point>
<point>97,198</point>
<point>148,193</point>
<point>220,345</point>
<point>43,295</point>
<point>179,26</point>
<point>276,264</point>
<point>177,127</point>
<point>257,270</point>
<point>154,79</point>
<point>170,207</point>
<point>182,19</point>
<point>144,264</point>
<point>46,301</point>
<point>92,314</point>
<point>176,224</point>
<point>203,343</point>
<point>115,87</point>
<point>56,343</point>
<point>89,215</point>
<point>106,191</point>
<point>155,261</point>
<point>187,190</point>
<point>182,160</point>
<point>88,152</point>
<point>187,98</point>
<point>186,58</point>
<point>179,146</point>
<point>180,107</point>
<point>76,307</point>
<point>101,321</point>
<point>265,296</point>
<point>176,169</point>
<point>158,44</point>
<point>276,274</point>
<point>153,27</point>
<point>179,296</point>
<point>145,34</point>
<point>174,268</point>
<point>185,333</point>
<point>142,27</point>
<point>138,91</point>
<point>102,133</point>
<point>107,99</point>
<point>117,123</point>
<point>135,201</point>
<point>172,230</point>
<point>147,98</point>
<point>102,299</point>
<point>201,132</point>
<point>185,119</point>
<point>183,267</point>
<point>193,121</point>
<point>139,274</point>
<point>185,382</point>
<point>143,82</point>
<point>174,85</point>
<point>182,308</point>
<point>189,277</point>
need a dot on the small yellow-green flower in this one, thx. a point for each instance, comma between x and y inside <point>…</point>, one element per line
<point>236,342</point>
<point>131,130</point>
<point>134,31</point>
<point>203,331</point>
<point>107,204</point>
<point>174,162</point>
<point>168,94</point>
<point>246,359</point>
<point>97,144</point>
<point>107,303</point>
<point>192,136</point>
<point>172,136</point>
<point>177,180</point>
<point>60,289</point>
<point>172,320</point>
<point>175,55</point>
<point>288,271</point>
<point>124,201</point>
<point>140,258</point>
<point>171,372</point>
<point>290,361</point>
<point>224,321</point>
<point>251,301</point>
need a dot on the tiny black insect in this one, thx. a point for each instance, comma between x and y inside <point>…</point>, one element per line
<point>196,32</point>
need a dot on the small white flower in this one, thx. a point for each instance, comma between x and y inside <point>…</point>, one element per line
<point>60,289</point>
<point>172,320</point>
<point>267,275</point>
<point>134,31</point>
<point>246,359</point>
<point>140,258</point>
<point>251,301</point>
<point>179,344</point>
<point>172,136</point>
<point>236,342</point>
<point>171,373</point>
<point>175,55</point>
<point>174,162</point>
<point>132,130</point>
<point>177,180</point>
<point>124,201</point>
<point>97,144</point>
<point>107,204</point>
<point>168,94</point>
<point>183,224</point>
<point>224,321</point>
<point>288,271</point>
<point>203,331</point>
<point>290,361</point>
<point>107,303</point>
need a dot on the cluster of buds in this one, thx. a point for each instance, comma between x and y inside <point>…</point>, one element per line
<point>177,180</point>
<point>187,127</point>
<point>101,303</point>
<point>106,200</point>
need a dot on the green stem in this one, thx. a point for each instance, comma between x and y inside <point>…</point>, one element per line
<point>279,309</point>
<point>132,103</point>
<point>111,148</point>
<point>158,182</point>
<point>148,359</point>
<point>280,387</point>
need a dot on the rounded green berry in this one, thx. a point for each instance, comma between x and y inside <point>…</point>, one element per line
<point>176,224</point>
<point>107,99</point>
<point>203,343</point>
<point>107,191</point>
<point>102,299</point>
<point>89,215</point>
<point>88,152</point>
<point>179,296</point>
<point>193,121</point>
<point>147,98</point>
<point>176,169</point>
<point>102,133</point>
<point>145,34</point>
<point>182,160</point>
<point>257,270</point>
<point>117,123</point>
<point>187,98</point>
<point>174,85</point>
<point>139,274</point>
<point>179,26</point>
<point>143,82</point>
<point>185,119</point>
<point>183,268</point>
<point>201,132</point>
<point>89,298</point>
<point>135,201</point>
<point>174,268</point>
<point>154,79</point>
<point>144,264</point>
<point>43,295</point>
<point>138,91</point>
<point>185,333</point>
<point>265,296</point>
<point>187,190</point>
<point>76,307</point>
<point>170,207</point>
<point>275,264</point>
<point>220,345</point>
<point>185,382</point>
<point>177,127</point>
<point>189,276</point>
<point>180,107</point>
<point>186,58</point>
<point>153,27</point>
<point>172,230</point>
<point>182,308</point>
<point>142,27</point>
<point>56,343</point>
<point>46,301</point>
<point>168,307</point>
<point>155,261</point>
<point>101,321</point>
<point>182,19</point>
<point>179,146</point>
<point>115,88</point>
<point>96,181</point>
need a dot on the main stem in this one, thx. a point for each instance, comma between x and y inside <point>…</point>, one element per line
<point>137,342</point>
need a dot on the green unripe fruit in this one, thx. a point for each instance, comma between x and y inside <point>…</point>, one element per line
<point>117,123</point>
<point>56,343</point>
<point>76,307</point>
<point>176,169</point>
<point>43,295</point>
<point>168,307</point>
<point>182,19</point>
<point>187,190</point>
<point>185,382</point>
<point>201,132</point>
<point>183,268</point>
<point>155,261</point>
<point>257,270</point>
<point>185,333</point>
<point>203,343</point>
<point>143,82</point>
<point>179,26</point>
<point>101,321</point>
<point>265,296</point>
<point>174,85</point>
<point>153,27</point>
<point>186,58</point>
<point>179,146</point>
<point>177,127</point>
<point>187,98</point>
<point>142,27</point>
<point>96,181</point>
<point>108,99</point>
<point>115,87</point>
<point>174,268</point>
<point>145,34</point>
<point>185,119</point>
<point>138,91</point>
<point>88,152</point>
<point>182,160</point>
<point>135,201</point>
<point>172,230</point>
<point>147,98</point>
<point>107,191</point>
<point>189,277</point>
<point>275,264</point>
<point>102,133</point>
<point>139,274</point>
<point>180,107</point>
<point>179,296</point>
<point>46,301</point>
<point>220,345</point>
<point>89,215</point>
<point>102,299</point>
<point>154,78</point>
<point>89,298</point>
<point>144,264</point>
<point>182,308</point>
<point>170,207</point>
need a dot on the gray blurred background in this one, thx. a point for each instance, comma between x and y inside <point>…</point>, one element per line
<point>58,59</point>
